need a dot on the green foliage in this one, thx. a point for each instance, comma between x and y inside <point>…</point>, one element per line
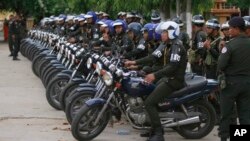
<point>244,4</point>
<point>201,6</point>
<point>112,7</point>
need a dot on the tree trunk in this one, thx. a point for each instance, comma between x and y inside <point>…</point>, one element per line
<point>165,7</point>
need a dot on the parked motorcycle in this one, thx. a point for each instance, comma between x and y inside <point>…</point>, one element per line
<point>186,110</point>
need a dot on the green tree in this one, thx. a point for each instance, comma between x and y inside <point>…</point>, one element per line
<point>244,4</point>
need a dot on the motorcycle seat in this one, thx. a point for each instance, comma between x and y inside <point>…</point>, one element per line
<point>193,84</point>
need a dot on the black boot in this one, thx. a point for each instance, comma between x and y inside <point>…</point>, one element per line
<point>157,135</point>
<point>16,59</point>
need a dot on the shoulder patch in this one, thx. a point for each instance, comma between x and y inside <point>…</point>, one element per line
<point>224,50</point>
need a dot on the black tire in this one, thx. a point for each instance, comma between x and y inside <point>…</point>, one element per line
<point>75,102</point>
<point>87,116</point>
<point>207,117</point>
<point>53,91</point>
<point>31,52</point>
<point>35,63</point>
<point>42,66</point>
<point>65,93</point>
<point>50,75</point>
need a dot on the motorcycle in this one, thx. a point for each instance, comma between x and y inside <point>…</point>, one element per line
<point>186,110</point>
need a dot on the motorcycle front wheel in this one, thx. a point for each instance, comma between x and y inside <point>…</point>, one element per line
<point>83,127</point>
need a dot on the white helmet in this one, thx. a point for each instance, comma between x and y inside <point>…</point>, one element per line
<point>170,26</point>
<point>224,26</point>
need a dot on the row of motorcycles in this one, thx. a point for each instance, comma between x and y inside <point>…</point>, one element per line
<point>91,88</point>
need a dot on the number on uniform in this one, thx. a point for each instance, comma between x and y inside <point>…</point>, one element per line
<point>157,53</point>
<point>175,58</point>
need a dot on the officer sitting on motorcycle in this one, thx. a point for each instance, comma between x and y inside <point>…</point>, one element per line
<point>173,54</point>
<point>146,45</point>
<point>134,35</point>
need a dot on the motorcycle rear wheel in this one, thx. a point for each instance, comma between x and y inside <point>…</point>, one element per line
<point>207,117</point>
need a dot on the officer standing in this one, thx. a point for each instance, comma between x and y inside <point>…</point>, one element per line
<point>225,30</point>
<point>172,52</point>
<point>234,63</point>
<point>196,52</point>
<point>184,37</point>
<point>16,36</point>
<point>10,41</point>
<point>211,46</point>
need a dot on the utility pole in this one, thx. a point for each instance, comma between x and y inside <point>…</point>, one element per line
<point>178,7</point>
<point>189,18</point>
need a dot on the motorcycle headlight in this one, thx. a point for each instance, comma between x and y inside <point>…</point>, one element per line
<point>107,78</point>
<point>89,62</point>
<point>98,68</point>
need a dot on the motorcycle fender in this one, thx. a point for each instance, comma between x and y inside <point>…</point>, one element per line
<point>92,89</point>
<point>95,102</point>
<point>54,62</point>
<point>50,57</point>
<point>42,49</point>
<point>69,72</point>
<point>78,80</point>
<point>87,85</point>
<point>45,53</point>
<point>57,65</point>
<point>62,74</point>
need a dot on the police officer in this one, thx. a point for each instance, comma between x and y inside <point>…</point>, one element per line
<point>16,36</point>
<point>155,17</point>
<point>212,50</point>
<point>247,23</point>
<point>60,28</point>
<point>145,45</point>
<point>225,30</point>
<point>10,41</point>
<point>92,29</point>
<point>184,37</point>
<point>196,52</point>
<point>234,63</point>
<point>122,43</point>
<point>172,52</point>
<point>134,35</point>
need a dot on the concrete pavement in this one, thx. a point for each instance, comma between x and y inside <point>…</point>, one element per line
<point>25,114</point>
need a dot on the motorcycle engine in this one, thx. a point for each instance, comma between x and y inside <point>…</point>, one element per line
<point>136,110</point>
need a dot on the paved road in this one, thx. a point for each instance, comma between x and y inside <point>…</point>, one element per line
<point>25,114</point>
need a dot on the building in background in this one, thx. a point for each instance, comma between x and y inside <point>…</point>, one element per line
<point>223,11</point>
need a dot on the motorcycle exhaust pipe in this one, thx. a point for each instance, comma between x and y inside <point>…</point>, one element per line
<point>183,122</point>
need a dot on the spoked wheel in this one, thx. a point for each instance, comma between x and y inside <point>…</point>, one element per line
<point>83,127</point>
<point>53,91</point>
<point>206,124</point>
<point>75,102</point>
<point>66,91</point>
